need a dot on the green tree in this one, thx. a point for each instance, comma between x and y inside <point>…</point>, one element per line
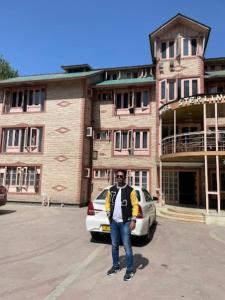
<point>6,71</point>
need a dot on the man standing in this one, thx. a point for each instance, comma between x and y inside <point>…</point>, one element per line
<point>122,208</point>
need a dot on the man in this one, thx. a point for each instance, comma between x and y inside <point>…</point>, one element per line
<point>122,208</point>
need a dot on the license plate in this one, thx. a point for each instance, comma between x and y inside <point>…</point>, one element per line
<point>106,228</point>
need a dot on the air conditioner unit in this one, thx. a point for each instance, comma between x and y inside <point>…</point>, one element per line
<point>89,131</point>
<point>87,172</point>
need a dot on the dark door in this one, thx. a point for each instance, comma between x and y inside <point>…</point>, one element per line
<point>187,188</point>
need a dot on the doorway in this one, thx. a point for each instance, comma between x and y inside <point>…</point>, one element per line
<point>187,194</point>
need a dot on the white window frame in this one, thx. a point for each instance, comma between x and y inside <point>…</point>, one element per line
<point>132,178</point>
<point>97,174</point>
<point>13,146</point>
<point>168,49</point>
<point>141,139</point>
<point>189,46</point>
<point>165,98</point>
<point>190,86</point>
<point>109,96</point>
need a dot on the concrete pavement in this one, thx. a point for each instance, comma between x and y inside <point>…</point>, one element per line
<point>47,254</point>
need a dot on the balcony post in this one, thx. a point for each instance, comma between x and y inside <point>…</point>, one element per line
<point>217,160</point>
<point>206,161</point>
<point>160,161</point>
<point>174,131</point>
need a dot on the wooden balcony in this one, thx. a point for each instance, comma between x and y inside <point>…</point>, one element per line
<point>193,142</point>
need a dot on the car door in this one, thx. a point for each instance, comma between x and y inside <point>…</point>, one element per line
<point>149,204</point>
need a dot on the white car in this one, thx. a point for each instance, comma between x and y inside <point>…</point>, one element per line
<point>97,220</point>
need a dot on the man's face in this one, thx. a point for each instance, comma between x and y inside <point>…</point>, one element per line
<point>120,177</point>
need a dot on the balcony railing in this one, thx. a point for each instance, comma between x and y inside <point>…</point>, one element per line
<point>193,142</point>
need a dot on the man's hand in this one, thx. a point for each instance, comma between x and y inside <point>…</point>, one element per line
<point>132,225</point>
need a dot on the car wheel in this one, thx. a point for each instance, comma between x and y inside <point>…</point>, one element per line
<point>94,235</point>
<point>147,237</point>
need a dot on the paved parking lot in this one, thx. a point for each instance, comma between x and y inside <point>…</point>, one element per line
<point>47,254</point>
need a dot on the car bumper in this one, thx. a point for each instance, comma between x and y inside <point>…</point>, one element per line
<point>95,225</point>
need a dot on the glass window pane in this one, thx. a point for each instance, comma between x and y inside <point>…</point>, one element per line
<point>171,90</point>
<point>125,100</point>
<point>193,46</point>
<point>117,139</point>
<point>124,140</point>
<point>145,98</point>
<point>16,140</point>
<point>14,97</point>
<point>137,178</point>
<point>138,99</point>
<point>30,98</point>
<point>185,47</point>
<point>20,100</point>
<point>145,139</point>
<point>137,139</point>
<point>163,50</point>
<point>171,49</point>
<point>10,137</point>
<point>194,87</point>
<point>118,101</point>
<point>163,89</point>
<point>186,88</point>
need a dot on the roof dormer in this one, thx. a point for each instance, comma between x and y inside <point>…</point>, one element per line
<point>180,36</point>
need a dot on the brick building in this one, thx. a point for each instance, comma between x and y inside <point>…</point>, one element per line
<point>64,135</point>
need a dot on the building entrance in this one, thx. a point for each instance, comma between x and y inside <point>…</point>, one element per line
<point>187,193</point>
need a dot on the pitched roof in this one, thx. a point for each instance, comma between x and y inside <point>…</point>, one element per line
<point>215,74</point>
<point>121,82</point>
<point>48,77</point>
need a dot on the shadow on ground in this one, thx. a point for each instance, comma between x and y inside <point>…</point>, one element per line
<point>104,238</point>
<point>6,211</point>
<point>140,262</point>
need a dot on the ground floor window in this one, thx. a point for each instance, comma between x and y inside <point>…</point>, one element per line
<point>136,178</point>
<point>20,179</point>
<point>102,174</point>
<point>170,186</point>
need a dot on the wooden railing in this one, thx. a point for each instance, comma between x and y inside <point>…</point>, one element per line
<point>192,142</point>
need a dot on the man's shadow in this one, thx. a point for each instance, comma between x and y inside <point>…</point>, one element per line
<point>140,262</point>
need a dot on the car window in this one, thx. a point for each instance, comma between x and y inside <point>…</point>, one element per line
<point>102,195</point>
<point>148,197</point>
<point>138,195</point>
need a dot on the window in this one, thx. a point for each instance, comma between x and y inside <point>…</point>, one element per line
<point>21,139</point>
<point>105,96</point>
<point>168,49</point>
<point>186,88</point>
<point>131,100</point>
<point>163,90</point>
<point>21,179</point>
<point>23,100</point>
<point>185,47</point>
<point>140,139</point>
<point>102,173</point>
<point>122,100</point>
<point>171,90</point>
<point>189,87</point>
<point>189,47</point>
<point>131,140</point>
<point>138,178</point>
<point>193,46</point>
<point>163,49</point>
<point>103,135</point>
<point>171,49</point>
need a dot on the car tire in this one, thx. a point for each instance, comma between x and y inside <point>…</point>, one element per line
<point>94,235</point>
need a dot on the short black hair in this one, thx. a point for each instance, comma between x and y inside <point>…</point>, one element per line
<point>122,171</point>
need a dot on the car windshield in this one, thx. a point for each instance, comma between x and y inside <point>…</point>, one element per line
<point>103,194</point>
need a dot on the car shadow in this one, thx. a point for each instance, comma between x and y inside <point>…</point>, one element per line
<point>140,262</point>
<point>6,211</point>
<point>104,238</point>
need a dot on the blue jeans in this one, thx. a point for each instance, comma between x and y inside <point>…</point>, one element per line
<point>121,230</point>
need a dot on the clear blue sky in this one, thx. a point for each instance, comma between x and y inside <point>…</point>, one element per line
<point>38,36</point>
